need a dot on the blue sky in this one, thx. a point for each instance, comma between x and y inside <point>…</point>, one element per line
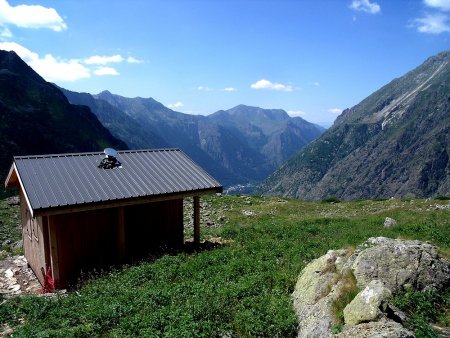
<point>312,58</point>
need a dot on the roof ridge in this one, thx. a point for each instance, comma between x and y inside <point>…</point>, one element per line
<point>94,153</point>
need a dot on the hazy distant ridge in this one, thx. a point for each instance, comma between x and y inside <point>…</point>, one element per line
<point>237,146</point>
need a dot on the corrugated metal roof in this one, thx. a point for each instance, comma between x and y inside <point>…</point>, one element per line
<point>51,181</point>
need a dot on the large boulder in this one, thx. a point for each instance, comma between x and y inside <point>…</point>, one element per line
<point>379,267</point>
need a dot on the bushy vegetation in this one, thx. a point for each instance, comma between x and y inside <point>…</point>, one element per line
<point>423,308</point>
<point>331,199</point>
<point>239,289</point>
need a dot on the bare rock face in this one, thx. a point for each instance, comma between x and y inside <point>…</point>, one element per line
<point>380,267</point>
<point>400,264</point>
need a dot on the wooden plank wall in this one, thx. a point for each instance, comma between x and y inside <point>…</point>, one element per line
<point>35,240</point>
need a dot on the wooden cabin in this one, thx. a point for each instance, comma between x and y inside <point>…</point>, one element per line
<point>89,210</point>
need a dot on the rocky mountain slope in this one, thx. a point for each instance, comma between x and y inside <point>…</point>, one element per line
<point>238,146</point>
<point>36,117</point>
<point>395,143</point>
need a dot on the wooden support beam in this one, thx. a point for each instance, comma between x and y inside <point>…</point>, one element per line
<point>196,219</point>
<point>121,234</point>
<point>54,259</point>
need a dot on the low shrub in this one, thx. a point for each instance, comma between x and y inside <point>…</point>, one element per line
<point>331,199</point>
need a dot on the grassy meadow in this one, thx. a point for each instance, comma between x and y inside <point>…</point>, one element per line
<point>240,288</point>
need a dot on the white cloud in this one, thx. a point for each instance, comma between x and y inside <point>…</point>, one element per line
<point>30,16</point>
<point>105,71</point>
<point>317,84</point>
<point>433,24</point>
<point>335,111</point>
<point>5,33</point>
<point>296,113</point>
<point>23,52</point>
<point>131,59</point>
<point>50,68</point>
<point>204,88</point>
<point>229,89</point>
<point>365,6</point>
<point>266,84</point>
<point>178,104</point>
<point>443,5</point>
<point>103,60</point>
<point>53,70</point>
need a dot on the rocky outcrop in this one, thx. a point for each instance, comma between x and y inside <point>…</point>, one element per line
<point>379,329</point>
<point>379,268</point>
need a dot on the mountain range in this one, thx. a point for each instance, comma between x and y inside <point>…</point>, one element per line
<point>238,146</point>
<point>394,143</point>
<point>36,117</point>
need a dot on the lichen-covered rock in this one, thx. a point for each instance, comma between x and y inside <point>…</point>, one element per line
<point>381,267</point>
<point>397,263</point>
<point>313,294</point>
<point>380,329</point>
<point>366,305</point>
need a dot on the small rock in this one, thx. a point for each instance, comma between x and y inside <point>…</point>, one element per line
<point>388,222</point>
<point>9,273</point>
<point>20,261</point>
<point>365,306</point>
<point>17,245</point>
<point>13,200</point>
<point>396,314</point>
<point>14,288</point>
<point>6,242</point>
<point>248,213</point>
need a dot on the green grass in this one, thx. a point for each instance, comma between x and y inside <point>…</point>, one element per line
<point>343,298</point>
<point>9,228</point>
<point>241,289</point>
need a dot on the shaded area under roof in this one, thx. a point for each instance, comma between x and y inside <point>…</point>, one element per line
<point>54,181</point>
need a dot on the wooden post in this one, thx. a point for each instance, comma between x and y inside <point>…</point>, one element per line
<point>196,219</point>
<point>54,259</point>
<point>121,234</point>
